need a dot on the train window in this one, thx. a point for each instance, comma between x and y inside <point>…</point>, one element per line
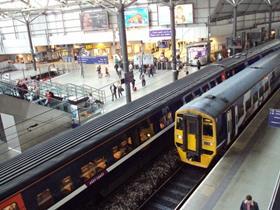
<point>101,164</point>
<point>212,84</point>
<point>207,127</point>
<point>219,80</point>
<point>261,91</point>
<point>166,118</point>
<point>228,74</point>
<point>146,131</point>
<point>169,118</point>
<point>12,206</point>
<point>240,111</point>
<point>273,78</point>
<point>205,88</point>
<point>192,128</point>
<point>197,92</point>
<point>255,97</point>
<point>248,104</point>
<point>67,185</point>
<point>116,153</point>
<point>88,171</point>
<point>188,98</point>
<point>162,122</point>
<point>266,86</point>
<point>179,123</point>
<point>122,149</point>
<point>45,199</point>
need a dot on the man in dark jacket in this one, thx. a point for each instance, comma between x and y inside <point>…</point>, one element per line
<point>249,204</point>
<point>198,64</point>
<point>113,89</point>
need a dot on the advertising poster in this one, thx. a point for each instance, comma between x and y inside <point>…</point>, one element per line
<point>92,21</point>
<point>183,14</point>
<point>136,17</point>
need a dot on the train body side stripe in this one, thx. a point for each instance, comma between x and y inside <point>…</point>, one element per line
<point>110,168</point>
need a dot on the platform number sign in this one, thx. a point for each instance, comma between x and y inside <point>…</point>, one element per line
<point>274,118</point>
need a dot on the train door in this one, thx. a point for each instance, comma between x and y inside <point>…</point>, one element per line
<point>229,126</point>
<point>192,136</point>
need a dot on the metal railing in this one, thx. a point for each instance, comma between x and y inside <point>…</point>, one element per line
<point>81,106</point>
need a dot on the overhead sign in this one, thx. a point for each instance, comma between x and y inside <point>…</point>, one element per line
<point>160,33</point>
<point>91,21</point>
<point>93,60</point>
<point>274,118</point>
<point>136,17</point>
<point>183,14</point>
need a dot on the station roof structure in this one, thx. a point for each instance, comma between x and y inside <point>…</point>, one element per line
<point>224,8</point>
<point>13,8</point>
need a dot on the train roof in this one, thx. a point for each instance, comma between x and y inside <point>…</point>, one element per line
<point>216,100</point>
<point>34,162</point>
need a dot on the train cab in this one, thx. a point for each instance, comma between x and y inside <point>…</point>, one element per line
<point>195,137</point>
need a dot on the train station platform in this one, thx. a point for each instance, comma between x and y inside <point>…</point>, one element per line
<point>91,79</point>
<point>160,79</point>
<point>251,166</point>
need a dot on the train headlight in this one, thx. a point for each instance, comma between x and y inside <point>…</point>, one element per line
<point>149,135</point>
<point>179,137</point>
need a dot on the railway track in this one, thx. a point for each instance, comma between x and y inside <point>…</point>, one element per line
<point>179,186</point>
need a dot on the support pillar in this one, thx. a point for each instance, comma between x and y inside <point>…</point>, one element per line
<point>234,28</point>
<point>31,45</point>
<point>173,40</point>
<point>122,35</point>
<point>270,22</point>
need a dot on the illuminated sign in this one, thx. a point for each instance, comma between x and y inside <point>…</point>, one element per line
<point>183,14</point>
<point>91,21</point>
<point>136,17</point>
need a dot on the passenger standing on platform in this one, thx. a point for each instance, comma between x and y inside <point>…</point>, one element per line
<point>107,74</point>
<point>130,67</point>
<point>24,88</point>
<point>36,95</point>
<point>143,80</point>
<point>149,71</point>
<point>133,84</point>
<point>120,89</point>
<point>198,64</point>
<point>116,66</point>
<point>19,89</point>
<point>249,204</point>
<point>120,72</point>
<point>98,69</point>
<point>49,96</point>
<point>113,89</point>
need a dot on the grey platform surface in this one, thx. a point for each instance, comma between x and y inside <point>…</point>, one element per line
<point>160,79</point>
<point>251,166</point>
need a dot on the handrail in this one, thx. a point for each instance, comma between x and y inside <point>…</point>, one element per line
<point>274,194</point>
<point>14,91</point>
<point>67,90</point>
